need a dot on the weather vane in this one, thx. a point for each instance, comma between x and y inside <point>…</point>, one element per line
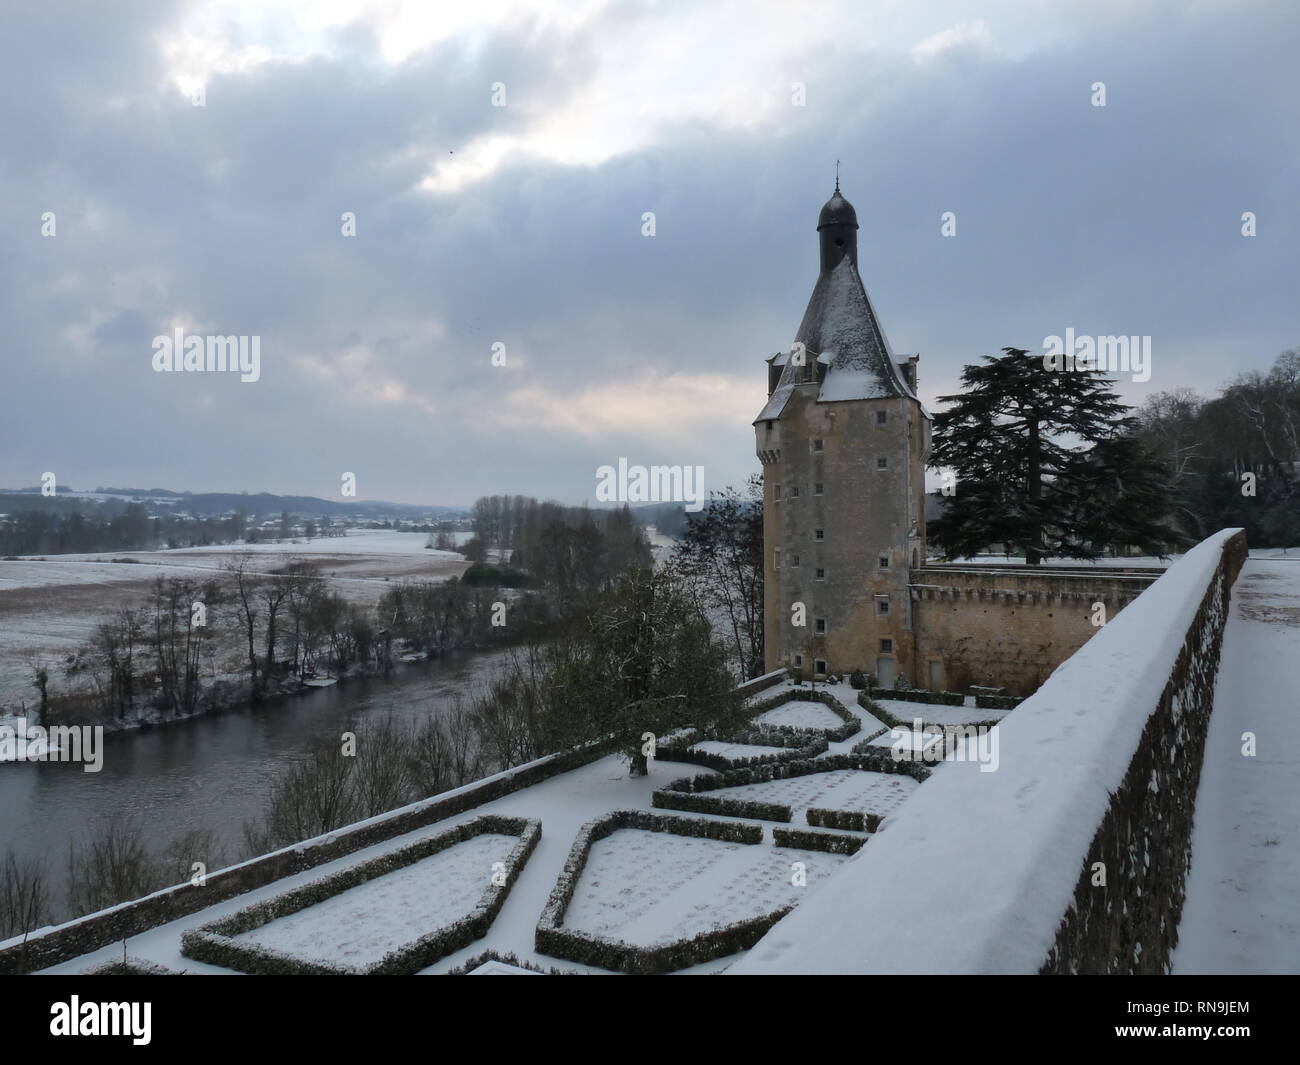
<point>837,175</point>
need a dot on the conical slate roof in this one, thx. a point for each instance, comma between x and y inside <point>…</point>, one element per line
<point>840,331</point>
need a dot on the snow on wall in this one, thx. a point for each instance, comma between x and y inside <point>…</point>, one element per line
<point>980,872</point>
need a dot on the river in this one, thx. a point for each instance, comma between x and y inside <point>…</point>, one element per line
<point>213,771</point>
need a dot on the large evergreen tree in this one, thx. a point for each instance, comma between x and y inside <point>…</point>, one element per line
<point>1023,442</point>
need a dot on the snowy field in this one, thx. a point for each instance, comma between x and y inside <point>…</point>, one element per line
<point>855,790</point>
<point>800,714</point>
<point>360,925</point>
<point>650,888</point>
<point>49,608</point>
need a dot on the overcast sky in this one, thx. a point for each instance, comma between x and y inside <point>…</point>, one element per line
<point>522,224</point>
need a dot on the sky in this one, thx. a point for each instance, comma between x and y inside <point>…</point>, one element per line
<point>190,165</point>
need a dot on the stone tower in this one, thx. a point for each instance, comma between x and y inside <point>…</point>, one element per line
<point>843,441</point>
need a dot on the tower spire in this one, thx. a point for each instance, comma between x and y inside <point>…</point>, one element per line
<point>837,175</point>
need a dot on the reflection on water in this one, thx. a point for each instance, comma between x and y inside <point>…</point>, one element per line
<point>210,772</point>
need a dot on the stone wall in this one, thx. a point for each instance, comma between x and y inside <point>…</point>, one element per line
<point>1144,843</point>
<point>1009,626</point>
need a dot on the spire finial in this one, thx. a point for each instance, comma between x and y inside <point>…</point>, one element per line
<point>837,175</point>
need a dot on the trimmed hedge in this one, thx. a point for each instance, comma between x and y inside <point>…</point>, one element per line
<point>602,952</point>
<point>791,746</point>
<point>465,968</point>
<point>917,695</point>
<point>801,839</point>
<point>215,944</point>
<point>713,804</point>
<point>893,722</point>
<point>846,820</point>
<point>998,702</point>
<point>131,966</point>
<point>852,725</point>
<point>871,759</point>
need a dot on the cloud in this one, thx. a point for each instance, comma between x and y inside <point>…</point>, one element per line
<point>522,225</point>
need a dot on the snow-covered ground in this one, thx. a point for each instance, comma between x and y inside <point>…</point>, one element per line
<point>855,790</point>
<point>801,713</point>
<point>649,888</point>
<point>1242,913</point>
<point>359,926</point>
<point>735,750</point>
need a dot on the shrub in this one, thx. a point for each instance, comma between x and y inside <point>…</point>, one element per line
<point>817,841</point>
<point>846,820</point>
<point>715,804</point>
<point>857,680</point>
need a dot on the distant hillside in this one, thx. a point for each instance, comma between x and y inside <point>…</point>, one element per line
<point>260,504</point>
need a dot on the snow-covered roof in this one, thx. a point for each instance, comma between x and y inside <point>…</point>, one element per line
<point>840,331</point>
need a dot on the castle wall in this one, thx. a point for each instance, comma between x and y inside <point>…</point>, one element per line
<point>1008,627</point>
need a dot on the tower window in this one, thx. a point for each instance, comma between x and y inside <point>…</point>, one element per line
<point>819,534</point>
<point>776,492</point>
<point>817,488</point>
<point>818,446</point>
<point>777,559</point>
<point>884,562</point>
<point>882,416</point>
<point>821,574</point>
<point>882,605</point>
<point>794,561</point>
<point>886,646</point>
<point>819,625</point>
<point>794,491</point>
<point>882,462</point>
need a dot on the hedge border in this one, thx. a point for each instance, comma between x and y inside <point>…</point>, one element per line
<point>713,804</point>
<point>131,966</point>
<point>852,724</point>
<point>817,744</point>
<point>920,695</point>
<point>876,710</point>
<point>998,702</point>
<point>508,958</point>
<point>552,939</point>
<point>215,944</point>
<point>872,760</point>
<point>844,820</point>
<point>802,839</point>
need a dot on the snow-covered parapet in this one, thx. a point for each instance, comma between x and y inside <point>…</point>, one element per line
<point>1071,855</point>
